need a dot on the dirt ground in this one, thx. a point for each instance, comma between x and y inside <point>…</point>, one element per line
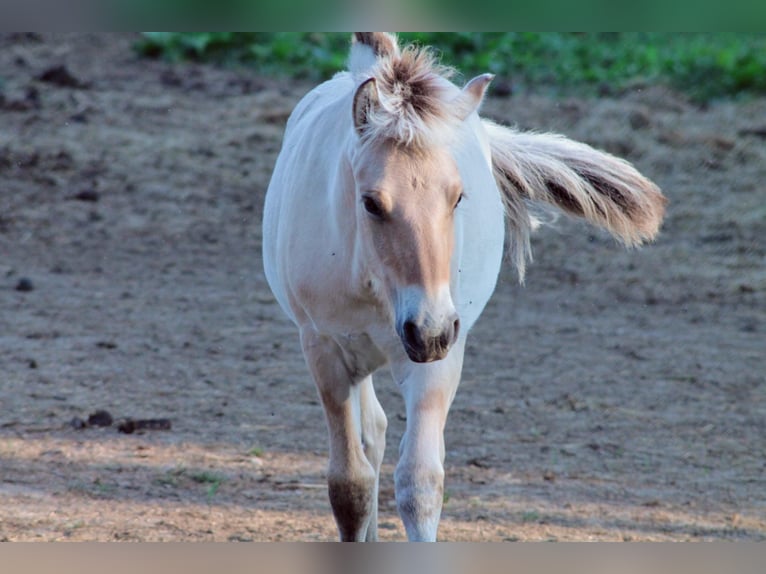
<point>617,395</point>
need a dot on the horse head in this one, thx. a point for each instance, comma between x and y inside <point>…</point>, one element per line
<point>408,190</point>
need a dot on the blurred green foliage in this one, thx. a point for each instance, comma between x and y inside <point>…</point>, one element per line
<point>704,65</point>
<point>313,55</point>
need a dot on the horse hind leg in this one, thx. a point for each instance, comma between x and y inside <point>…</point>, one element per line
<point>351,478</point>
<point>374,425</point>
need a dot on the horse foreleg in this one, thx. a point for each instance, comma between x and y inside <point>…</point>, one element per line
<point>351,479</point>
<point>428,391</point>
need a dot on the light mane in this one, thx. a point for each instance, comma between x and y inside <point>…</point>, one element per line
<point>414,90</point>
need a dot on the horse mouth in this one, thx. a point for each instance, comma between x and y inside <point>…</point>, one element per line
<point>419,356</point>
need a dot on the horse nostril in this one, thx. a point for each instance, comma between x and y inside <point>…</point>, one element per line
<point>449,335</point>
<point>411,333</point>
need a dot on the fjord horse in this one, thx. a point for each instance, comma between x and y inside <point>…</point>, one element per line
<point>383,237</point>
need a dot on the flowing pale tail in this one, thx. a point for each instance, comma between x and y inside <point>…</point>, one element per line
<point>551,169</point>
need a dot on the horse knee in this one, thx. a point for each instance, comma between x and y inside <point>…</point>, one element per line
<point>381,423</point>
<point>352,497</point>
<point>374,439</point>
<point>419,497</point>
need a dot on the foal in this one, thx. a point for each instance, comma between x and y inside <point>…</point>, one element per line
<point>383,236</point>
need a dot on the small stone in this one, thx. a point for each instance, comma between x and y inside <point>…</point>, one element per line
<point>127,426</point>
<point>479,462</point>
<point>80,117</point>
<point>100,418</point>
<point>25,285</point>
<point>87,195</point>
<point>61,76</point>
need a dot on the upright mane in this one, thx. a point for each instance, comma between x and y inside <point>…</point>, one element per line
<point>414,90</point>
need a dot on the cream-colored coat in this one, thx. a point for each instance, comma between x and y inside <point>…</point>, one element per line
<point>370,250</point>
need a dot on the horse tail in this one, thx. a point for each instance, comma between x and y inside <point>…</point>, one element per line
<point>577,179</point>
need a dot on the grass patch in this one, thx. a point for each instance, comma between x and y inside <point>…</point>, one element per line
<point>176,477</point>
<point>703,65</point>
<point>206,477</point>
<point>256,451</point>
<point>530,516</point>
<point>211,479</point>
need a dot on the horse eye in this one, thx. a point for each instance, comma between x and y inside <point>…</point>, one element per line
<point>373,208</point>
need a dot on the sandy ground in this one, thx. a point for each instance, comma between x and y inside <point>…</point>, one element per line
<point>618,395</point>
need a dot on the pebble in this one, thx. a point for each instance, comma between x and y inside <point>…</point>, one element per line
<point>61,76</point>
<point>87,195</point>
<point>25,285</point>
<point>129,426</point>
<point>100,418</point>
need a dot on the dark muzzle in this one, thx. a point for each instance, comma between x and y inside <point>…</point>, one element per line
<point>424,344</point>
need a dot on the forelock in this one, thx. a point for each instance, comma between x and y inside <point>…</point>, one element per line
<point>415,94</point>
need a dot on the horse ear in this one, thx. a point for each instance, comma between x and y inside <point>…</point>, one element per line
<point>472,94</point>
<point>366,100</point>
<point>382,44</point>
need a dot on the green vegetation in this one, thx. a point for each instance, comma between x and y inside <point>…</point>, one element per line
<point>313,55</point>
<point>212,479</point>
<point>175,477</point>
<point>256,451</point>
<point>704,65</point>
<point>530,516</point>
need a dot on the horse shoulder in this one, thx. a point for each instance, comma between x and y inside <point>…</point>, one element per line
<point>306,247</point>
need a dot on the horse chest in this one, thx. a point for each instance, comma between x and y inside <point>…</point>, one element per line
<point>360,354</point>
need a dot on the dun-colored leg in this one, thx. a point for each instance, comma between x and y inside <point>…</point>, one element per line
<point>352,479</point>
